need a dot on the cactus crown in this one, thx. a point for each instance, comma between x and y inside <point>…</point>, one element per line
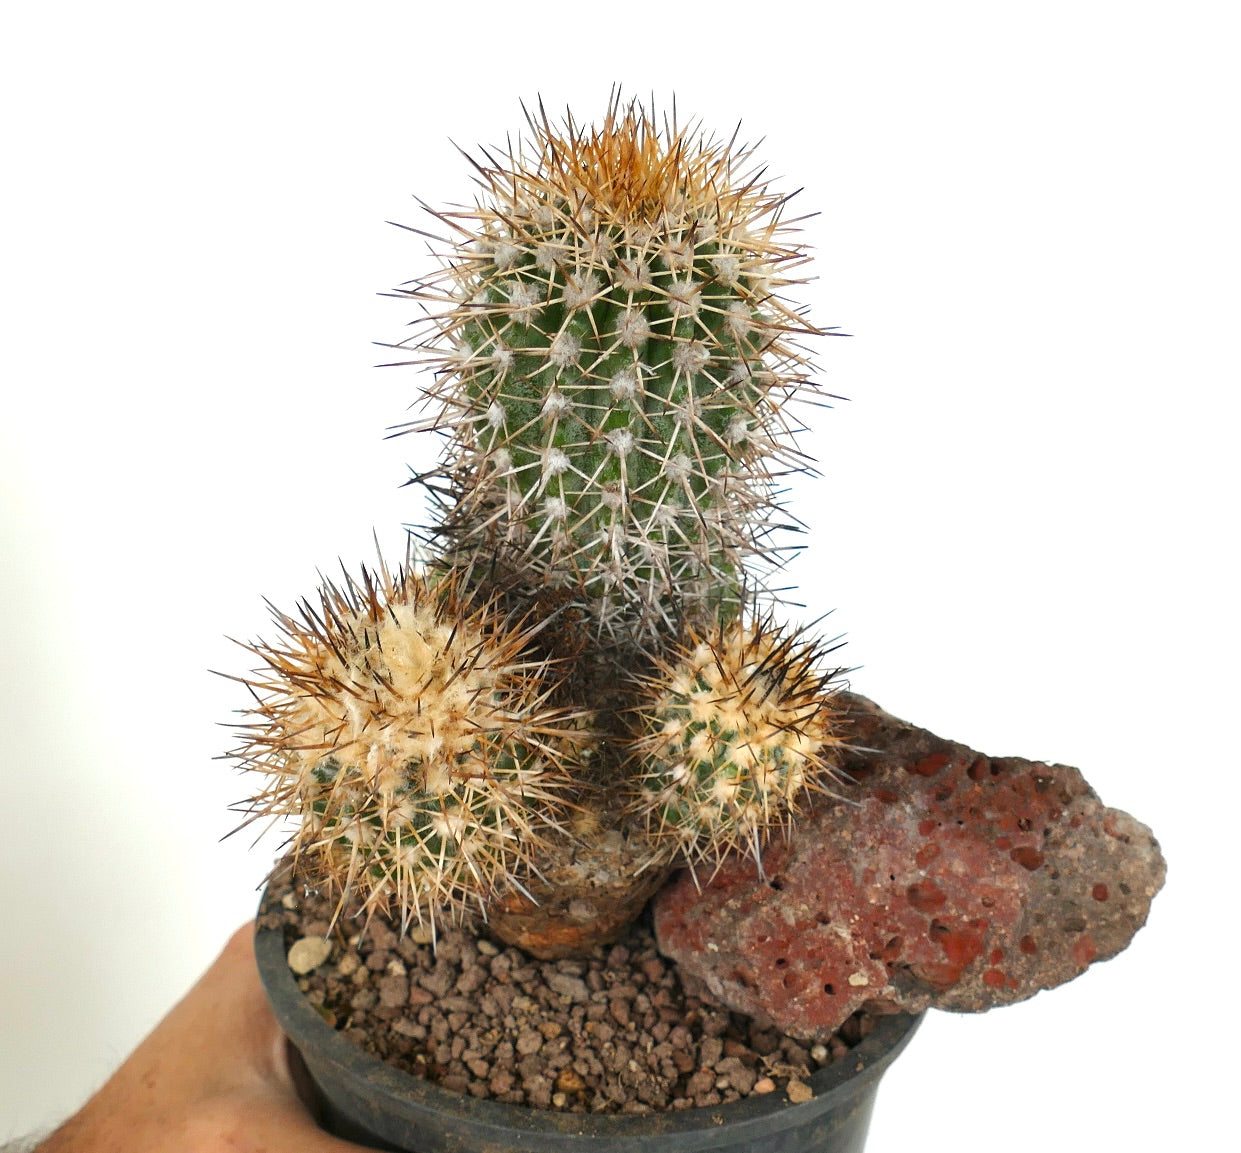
<point>614,364</point>
<point>615,361</point>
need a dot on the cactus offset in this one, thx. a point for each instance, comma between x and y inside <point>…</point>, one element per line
<point>615,364</point>
<point>737,729</point>
<point>411,736</point>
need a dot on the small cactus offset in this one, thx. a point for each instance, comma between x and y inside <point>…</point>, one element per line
<point>410,736</point>
<point>737,726</point>
<point>577,688</point>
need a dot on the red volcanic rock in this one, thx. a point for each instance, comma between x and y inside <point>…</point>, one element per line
<point>941,878</point>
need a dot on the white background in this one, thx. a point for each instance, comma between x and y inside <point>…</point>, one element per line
<point>1027,219</point>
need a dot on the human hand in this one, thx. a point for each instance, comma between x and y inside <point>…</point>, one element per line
<point>213,1076</point>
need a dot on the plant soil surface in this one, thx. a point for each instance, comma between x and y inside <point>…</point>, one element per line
<point>614,1032</point>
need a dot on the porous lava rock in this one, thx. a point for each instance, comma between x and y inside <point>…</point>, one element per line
<point>939,877</point>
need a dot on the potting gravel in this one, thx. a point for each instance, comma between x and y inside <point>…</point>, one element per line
<point>612,1033</point>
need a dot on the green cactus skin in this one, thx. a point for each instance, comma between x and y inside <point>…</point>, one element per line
<point>614,371</point>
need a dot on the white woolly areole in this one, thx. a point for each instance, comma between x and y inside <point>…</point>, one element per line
<point>621,441</point>
<point>564,350</point>
<point>598,250</point>
<point>555,508</point>
<point>547,256</point>
<point>634,328</point>
<point>625,384</point>
<point>524,299</point>
<point>727,267</point>
<point>581,290</point>
<point>690,357</point>
<point>502,461</point>
<point>666,514</point>
<point>501,358</point>
<point>738,320</point>
<point>632,274</point>
<point>505,254</point>
<point>684,296</point>
<point>705,228</point>
<point>496,414</point>
<point>554,462</point>
<point>678,468</point>
<point>639,235</point>
<point>554,404</point>
<point>678,253</point>
<point>738,431</point>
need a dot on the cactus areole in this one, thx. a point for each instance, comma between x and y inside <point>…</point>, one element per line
<point>581,682</point>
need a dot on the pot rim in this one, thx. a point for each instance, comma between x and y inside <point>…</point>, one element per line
<point>832,1085</point>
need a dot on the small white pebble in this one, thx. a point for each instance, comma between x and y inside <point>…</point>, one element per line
<point>348,965</point>
<point>799,1092</point>
<point>308,953</point>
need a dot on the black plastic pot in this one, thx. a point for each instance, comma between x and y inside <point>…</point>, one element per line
<point>369,1102</point>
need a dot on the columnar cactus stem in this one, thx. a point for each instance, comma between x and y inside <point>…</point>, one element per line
<point>615,363</point>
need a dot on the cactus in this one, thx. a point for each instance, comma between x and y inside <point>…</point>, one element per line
<point>736,729</point>
<point>410,735</point>
<point>576,689</point>
<point>615,364</point>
